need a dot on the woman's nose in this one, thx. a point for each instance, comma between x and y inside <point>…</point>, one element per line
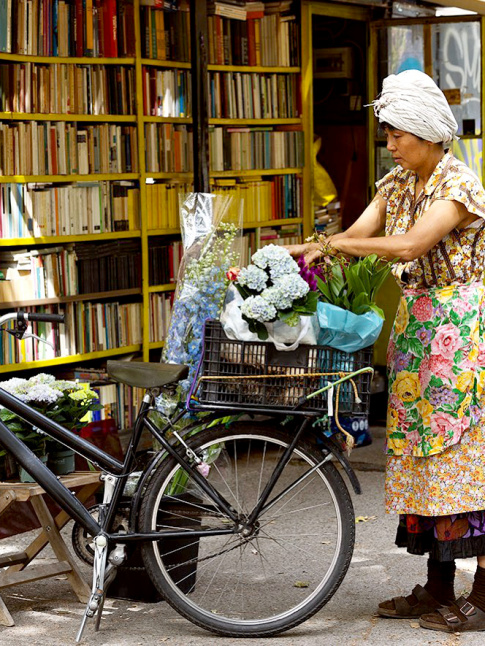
<point>391,145</point>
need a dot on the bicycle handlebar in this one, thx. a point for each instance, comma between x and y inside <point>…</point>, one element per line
<point>40,316</point>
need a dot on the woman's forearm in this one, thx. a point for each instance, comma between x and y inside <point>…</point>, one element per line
<point>391,247</point>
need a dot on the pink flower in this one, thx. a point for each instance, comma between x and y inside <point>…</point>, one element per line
<point>233,272</point>
<point>423,309</point>
<point>446,341</point>
<point>440,367</point>
<point>398,406</point>
<point>481,354</point>
<point>461,307</point>
<point>414,438</point>
<point>441,423</point>
<point>391,349</point>
<point>424,373</point>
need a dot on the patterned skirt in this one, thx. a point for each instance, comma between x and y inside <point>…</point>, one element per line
<point>445,538</point>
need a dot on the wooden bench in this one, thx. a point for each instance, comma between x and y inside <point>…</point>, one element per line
<point>13,567</point>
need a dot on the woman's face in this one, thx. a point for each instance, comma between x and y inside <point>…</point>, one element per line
<point>407,150</point>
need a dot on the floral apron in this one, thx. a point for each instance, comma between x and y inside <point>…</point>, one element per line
<point>436,366</point>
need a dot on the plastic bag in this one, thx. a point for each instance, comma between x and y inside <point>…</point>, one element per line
<point>346,331</point>
<point>283,336</point>
<point>324,190</point>
<point>211,242</point>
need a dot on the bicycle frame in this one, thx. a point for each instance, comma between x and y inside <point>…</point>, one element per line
<point>120,470</point>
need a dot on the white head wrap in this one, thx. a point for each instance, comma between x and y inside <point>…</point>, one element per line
<point>411,101</point>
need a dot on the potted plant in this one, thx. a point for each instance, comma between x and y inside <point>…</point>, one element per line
<point>274,295</point>
<point>66,402</point>
<point>348,316</point>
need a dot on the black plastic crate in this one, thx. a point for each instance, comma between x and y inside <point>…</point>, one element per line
<point>293,375</point>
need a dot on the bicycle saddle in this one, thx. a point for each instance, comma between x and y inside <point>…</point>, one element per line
<point>146,375</point>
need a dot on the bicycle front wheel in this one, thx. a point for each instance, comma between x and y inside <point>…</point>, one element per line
<point>285,569</point>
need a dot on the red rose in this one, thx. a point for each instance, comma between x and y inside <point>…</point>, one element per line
<point>233,272</point>
<point>423,309</point>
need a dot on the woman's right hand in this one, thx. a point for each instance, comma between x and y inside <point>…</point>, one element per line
<point>311,251</point>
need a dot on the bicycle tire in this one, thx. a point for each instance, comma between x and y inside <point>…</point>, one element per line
<point>206,585</point>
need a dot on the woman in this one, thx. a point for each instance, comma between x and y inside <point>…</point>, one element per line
<point>432,209</point>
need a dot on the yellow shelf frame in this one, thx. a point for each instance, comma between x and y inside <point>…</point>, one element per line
<point>254,122</point>
<point>156,345</point>
<point>139,119</point>
<point>72,358</point>
<point>58,179</point>
<point>158,289</point>
<point>85,237</point>
<point>40,116</point>
<point>65,60</point>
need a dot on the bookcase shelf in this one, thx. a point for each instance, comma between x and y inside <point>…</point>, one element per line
<point>57,179</point>
<point>254,69</point>
<point>256,172</point>
<point>155,62</point>
<point>149,78</point>
<point>85,237</point>
<point>73,358</point>
<point>254,122</point>
<point>40,116</point>
<point>154,289</point>
<point>52,60</point>
<point>153,119</point>
<point>71,299</point>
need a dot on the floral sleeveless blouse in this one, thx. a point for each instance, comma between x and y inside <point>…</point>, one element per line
<point>436,356</point>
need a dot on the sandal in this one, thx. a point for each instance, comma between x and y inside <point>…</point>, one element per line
<point>404,610</point>
<point>461,616</point>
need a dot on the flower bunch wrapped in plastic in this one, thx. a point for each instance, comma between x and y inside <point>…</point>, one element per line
<point>211,247</point>
<point>66,402</point>
<point>273,288</point>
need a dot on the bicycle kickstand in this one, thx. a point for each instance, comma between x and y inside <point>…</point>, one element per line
<point>96,600</point>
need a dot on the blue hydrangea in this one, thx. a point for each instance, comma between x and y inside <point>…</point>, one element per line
<point>257,308</point>
<point>253,277</point>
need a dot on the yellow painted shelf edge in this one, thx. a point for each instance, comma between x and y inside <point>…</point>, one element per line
<point>50,179</point>
<point>73,60</point>
<point>269,223</point>
<point>72,358</point>
<point>155,345</point>
<point>113,235</point>
<point>255,69</point>
<point>254,122</point>
<point>154,289</point>
<point>40,116</point>
<point>161,63</point>
<point>153,119</point>
<point>255,172</point>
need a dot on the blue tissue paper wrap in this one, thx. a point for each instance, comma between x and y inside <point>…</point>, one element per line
<point>345,330</point>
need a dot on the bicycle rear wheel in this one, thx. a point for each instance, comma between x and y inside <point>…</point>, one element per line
<point>285,570</point>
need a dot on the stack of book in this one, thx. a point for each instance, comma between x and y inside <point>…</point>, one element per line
<point>67,89</point>
<point>40,210</point>
<point>60,148</point>
<point>169,148</point>
<point>167,93</point>
<point>256,148</point>
<point>165,30</point>
<point>328,219</point>
<point>164,261</point>
<point>103,28</point>
<point>108,266</point>
<point>253,33</point>
<point>237,95</point>
<point>160,313</point>
<point>163,204</point>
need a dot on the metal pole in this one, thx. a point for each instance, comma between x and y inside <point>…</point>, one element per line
<point>198,43</point>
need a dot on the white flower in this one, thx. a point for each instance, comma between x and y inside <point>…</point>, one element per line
<point>253,277</point>
<point>266,256</point>
<point>43,393</point>
<point>276,297</point>
<point>257,308</point>
<point>42,378</point>
<point>292,286</point>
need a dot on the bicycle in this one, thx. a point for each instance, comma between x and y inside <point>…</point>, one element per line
<point>246,526</point>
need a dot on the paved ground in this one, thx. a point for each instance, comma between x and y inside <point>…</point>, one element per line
<point>47,614</point>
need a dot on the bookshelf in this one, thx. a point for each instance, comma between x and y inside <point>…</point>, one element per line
<point>86,119</point>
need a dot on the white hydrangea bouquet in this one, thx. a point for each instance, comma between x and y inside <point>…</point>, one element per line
<point>272,292</point>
